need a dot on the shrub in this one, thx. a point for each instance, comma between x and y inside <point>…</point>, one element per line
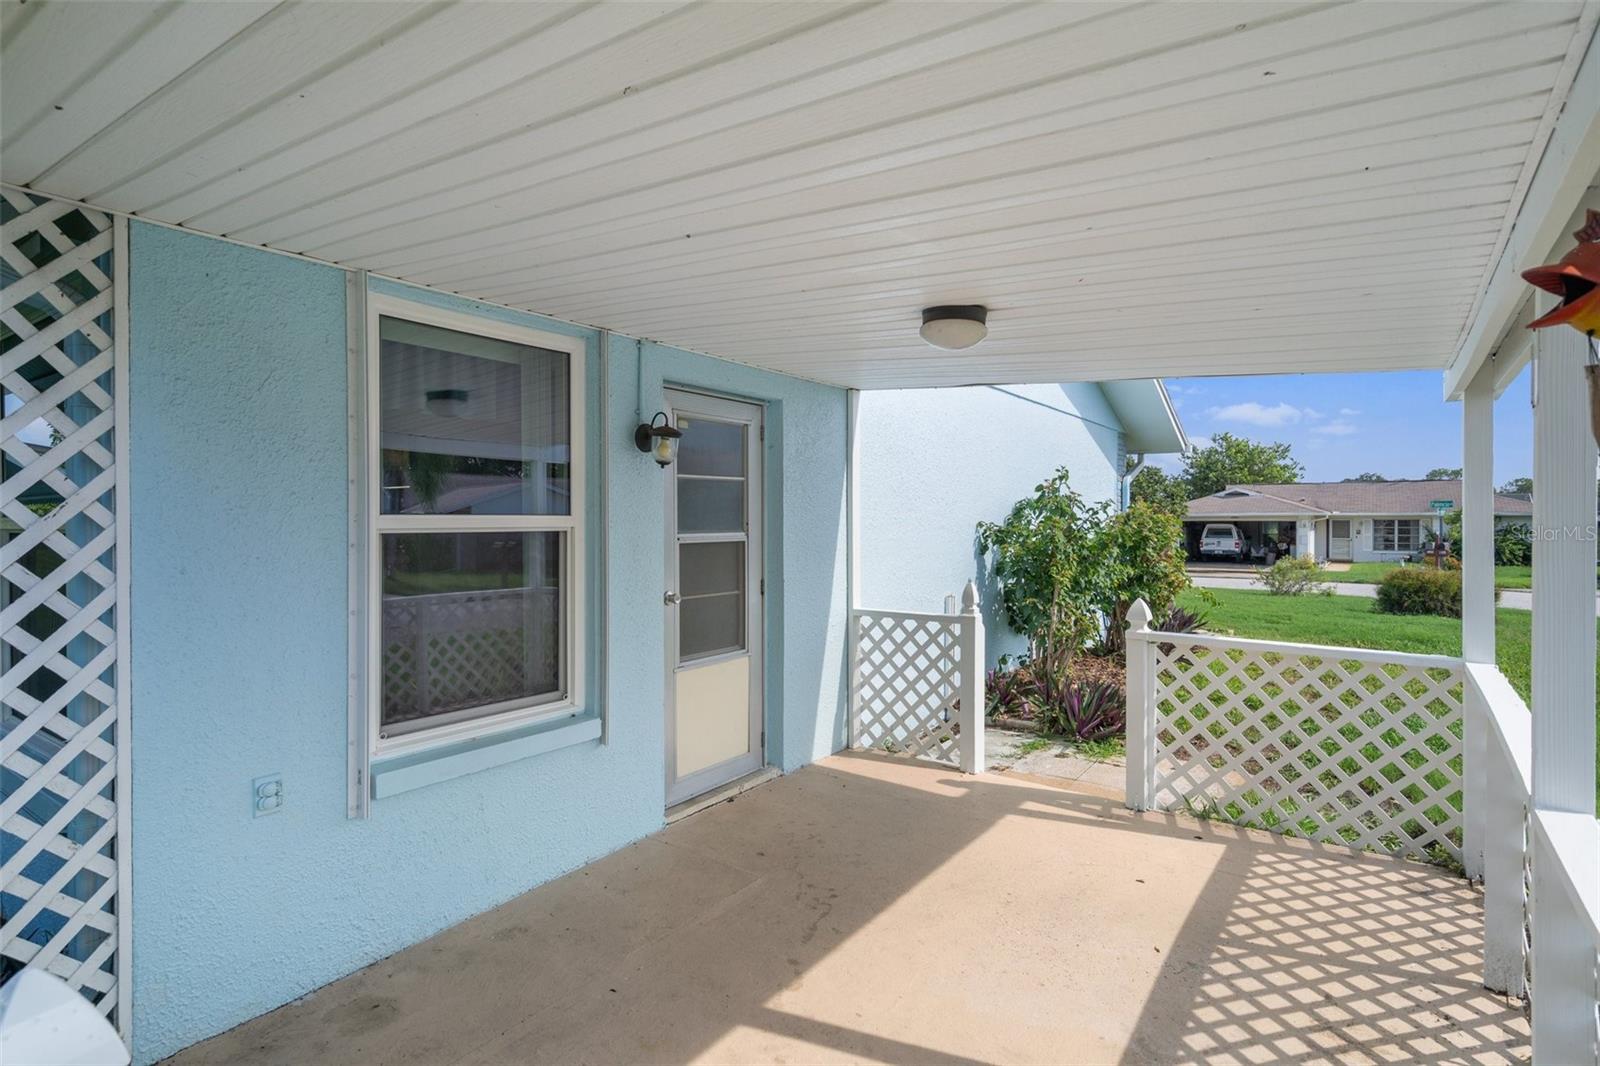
<point>1087,710</point>
<point>1048,559</point>
<point>1421,590</point>
<point>1069,570</point>
<point>1143,557</point>
<point>1513,546</point>
<point>1293,576</point>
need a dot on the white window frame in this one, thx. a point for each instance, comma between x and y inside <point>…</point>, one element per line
<point>1394,534</point>
<point>574,574</point>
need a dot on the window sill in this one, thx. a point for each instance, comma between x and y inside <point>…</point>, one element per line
<point>394,774</point>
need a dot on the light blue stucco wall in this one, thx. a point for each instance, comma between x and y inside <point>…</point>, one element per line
<point>935,462</point>
<point>238,505</point>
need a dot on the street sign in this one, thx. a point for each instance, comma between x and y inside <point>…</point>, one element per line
<point>1442,505</point>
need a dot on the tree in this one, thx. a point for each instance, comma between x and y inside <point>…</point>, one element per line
<point>1443,473</point>
<point>1048,558</point>
<point>1230,460</point>
<point>1143,555</point>
<point>1166,492</point>
<point>1367,477</point>
<point>1517,486</point>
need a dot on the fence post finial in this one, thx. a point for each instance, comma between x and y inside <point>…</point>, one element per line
<point>1139,616</point>
<point>969,598</point>
<point>1141,710</point>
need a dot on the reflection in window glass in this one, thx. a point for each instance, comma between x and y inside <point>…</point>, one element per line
<point>706,506</point>
<point>469,621</point>
<point>710,625</point>
<point>470,424</point>
<point>705,568</point>
<point>711,448</point>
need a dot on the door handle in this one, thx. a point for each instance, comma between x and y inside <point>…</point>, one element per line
<point>671,599</point>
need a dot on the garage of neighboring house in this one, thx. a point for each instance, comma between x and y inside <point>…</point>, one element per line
<point>1338,521</point>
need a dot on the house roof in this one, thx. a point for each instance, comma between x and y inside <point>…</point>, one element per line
<point>1133,190</point>
<point>1149,421</point>
<point>1319,498</point>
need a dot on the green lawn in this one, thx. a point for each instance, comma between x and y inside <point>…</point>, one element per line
<point>1506,577</point>
<point>1353,622</point>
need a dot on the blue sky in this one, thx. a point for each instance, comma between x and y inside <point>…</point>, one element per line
<point>1341,425</point>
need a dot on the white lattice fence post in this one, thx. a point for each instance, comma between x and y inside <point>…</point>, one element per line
<point>854,694</point>
<point>973,656</point>
<point>1141,712</point>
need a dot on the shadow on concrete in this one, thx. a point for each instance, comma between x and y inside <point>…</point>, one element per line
<point>868,908</point>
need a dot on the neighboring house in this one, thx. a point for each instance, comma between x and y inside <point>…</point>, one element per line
<point>1340,521</point>
<point>991,446</point>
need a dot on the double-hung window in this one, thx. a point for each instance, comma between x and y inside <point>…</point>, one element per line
<point>475,492</point>
<point>1396,534</point>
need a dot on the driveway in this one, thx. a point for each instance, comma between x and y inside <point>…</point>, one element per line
<point>1516,599</point>
<point>868,908</point>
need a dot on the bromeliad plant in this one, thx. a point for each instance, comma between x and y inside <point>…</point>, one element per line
<point>1088,710</point>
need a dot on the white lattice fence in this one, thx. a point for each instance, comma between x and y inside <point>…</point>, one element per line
<point>1340,745</point>
<point>460,649</point>
<point>63,869</point>
<point>916,684</point>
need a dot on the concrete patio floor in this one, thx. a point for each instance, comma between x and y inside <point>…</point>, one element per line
<point>867,908</point>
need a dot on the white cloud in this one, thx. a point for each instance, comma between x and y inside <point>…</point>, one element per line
<point>1255,414</point>
<point>1312,413</point>
<point>1347,411</point>
<point>1337,428</point>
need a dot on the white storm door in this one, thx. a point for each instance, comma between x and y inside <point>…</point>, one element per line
<point>713,596</point>
<point>1339,540</point>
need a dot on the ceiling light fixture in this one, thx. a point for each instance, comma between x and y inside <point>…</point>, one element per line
<point>955,326</point>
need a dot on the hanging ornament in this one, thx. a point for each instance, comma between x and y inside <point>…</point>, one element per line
<point>1576,279</point>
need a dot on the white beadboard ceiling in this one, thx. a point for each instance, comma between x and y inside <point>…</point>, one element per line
<point>1133,189</point>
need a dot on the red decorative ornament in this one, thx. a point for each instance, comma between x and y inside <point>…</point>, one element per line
<point>1576,279</point>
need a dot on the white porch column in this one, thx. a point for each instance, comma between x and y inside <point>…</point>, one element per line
<point>1477,597</point>
<point>1305,539</point>
<point>1563,681</point>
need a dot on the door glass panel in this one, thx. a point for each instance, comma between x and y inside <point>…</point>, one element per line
<point>470,424</point>
<point>714,506</point>
<point>1341,529</point>
<point>710,625</point>
<point>714,448</point>
<point>711,568</point>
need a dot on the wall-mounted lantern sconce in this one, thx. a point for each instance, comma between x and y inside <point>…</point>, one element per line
<point>660,440</point>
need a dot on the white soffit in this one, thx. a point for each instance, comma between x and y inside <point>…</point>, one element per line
<point>1134,190</point>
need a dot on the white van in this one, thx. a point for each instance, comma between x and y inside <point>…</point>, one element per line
<point>1222,539</point>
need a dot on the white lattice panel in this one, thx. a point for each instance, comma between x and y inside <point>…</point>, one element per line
<point>906,681</point>
<point>63,833</point>
<point>1347,747</point>
<point>452,650</point>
